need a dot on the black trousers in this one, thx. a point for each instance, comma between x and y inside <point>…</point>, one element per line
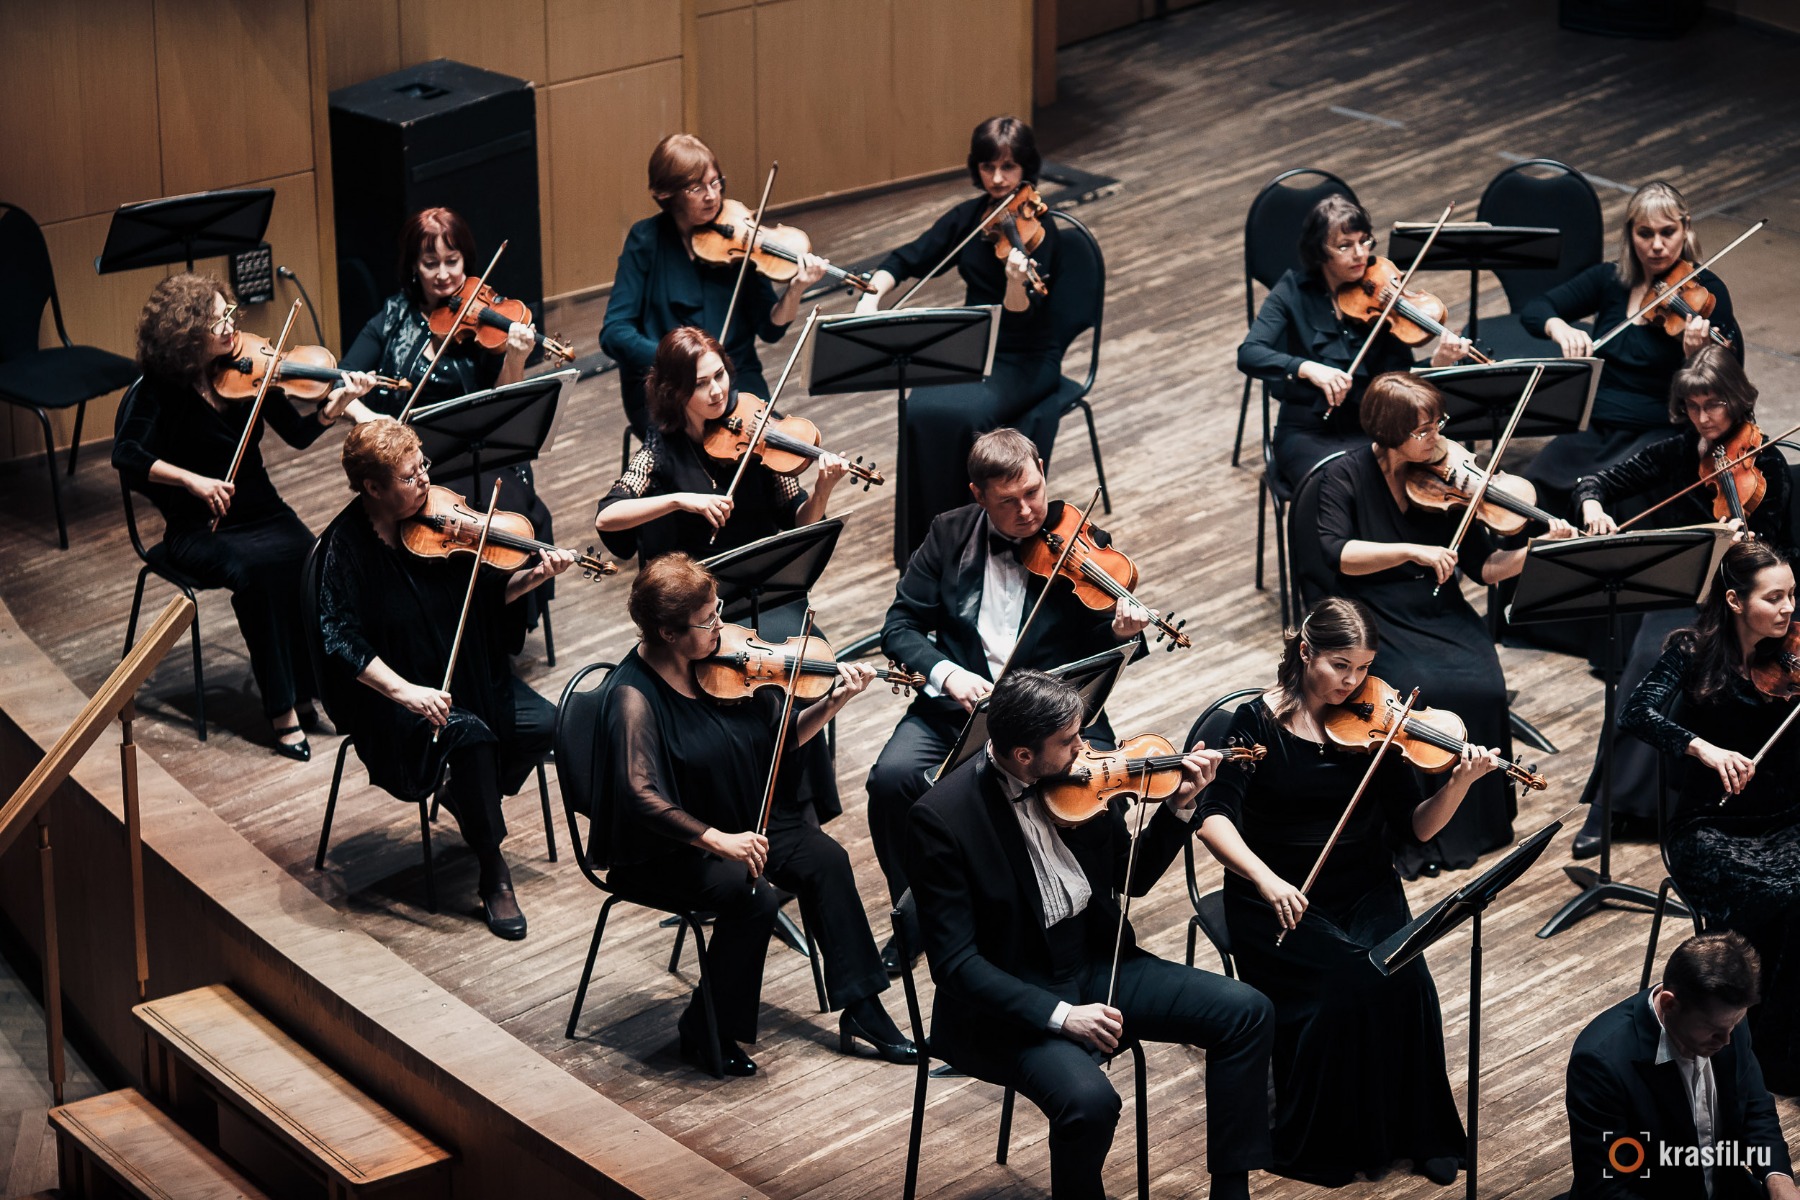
<point>1161,1002</point>
<point>482,773</point>
<point>259,563</point>
<point>807,861</point>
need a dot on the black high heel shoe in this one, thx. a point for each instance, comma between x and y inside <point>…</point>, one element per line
<point>300,751</point>
<point>732,1059</point>
<point>850,1029</point>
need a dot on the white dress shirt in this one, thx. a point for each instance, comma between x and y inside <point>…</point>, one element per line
<point>1002,610</point>
<point>1702,1089</point>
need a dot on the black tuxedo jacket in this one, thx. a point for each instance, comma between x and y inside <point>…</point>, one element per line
<point>940,594</point>
<point>982,918</point>
<point>1615,1087</point>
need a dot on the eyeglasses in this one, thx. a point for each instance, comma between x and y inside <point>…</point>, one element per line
<point>718,618</point>
<point>1346,249</point>
<point>1425,432</point>
<point>1697,408</point>
<point>706,187</point>
<point>423,471</point>
<point>224,322</point>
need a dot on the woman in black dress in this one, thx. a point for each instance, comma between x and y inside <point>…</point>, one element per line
<point>175,442</point>
<point>1633,393</point>
<point>660,285</point>
<point>1359,1071</point>
<point>1393,555</point>
<point>387,618</point>
<point>1733,843</point>
<point>1301,346</point>
<point>1714,398</point>
<point>681,795</point>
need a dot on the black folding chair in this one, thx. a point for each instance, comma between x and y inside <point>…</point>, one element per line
<point>1209,909</point>
<point>1546,193</point>
<point>1078,304</point>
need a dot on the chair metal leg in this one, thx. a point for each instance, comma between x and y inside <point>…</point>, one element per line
<point>337,777</point>
<point>75,438</point>
<point>1262,512</point>
<point>1087,411</point>
<point>1281,557</point>
<point>549,645</point>
<point>716,1051</point>
<point>430,867</point>
<point>625,451</point>
<point>917,1133</point>
<point>62,529</point>
<point>1143,1121</point>
<point>680,938</point>
<point>137,602</point>
<point>1006,1109</point>
<point>199,673</point>
<point>1237,446</point>
<point>544,800</point>
<point>818,970</point>
<point>1656,920</point>
<point>587,969</point>
<point>1193,930</point>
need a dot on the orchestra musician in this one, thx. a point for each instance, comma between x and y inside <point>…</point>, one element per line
<point>955,619</point>
<point>942,423</point>
<point>175,442</point>
<point>660,284</point>
<point>1302,346</point>
<point>1713,397</point>
<point>1360,1080</point>
<point>1393,555</point>
<point>681,799</point>
<point>387,620</point>
<point>1736,861</point>
<point>1019,920</point>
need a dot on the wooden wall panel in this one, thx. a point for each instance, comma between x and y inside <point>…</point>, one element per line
<point>293,238</point>
<point>1078,20</point>
<point>500,35</point>
<point>726,116</point>
<point>602,131</point>
<point>591,37</point>
<point>829,124</point>
<point>707,7</point>
<point>76,135</point>
<point>938,96</point>
<point>253,121</point>
<point>362,39</point>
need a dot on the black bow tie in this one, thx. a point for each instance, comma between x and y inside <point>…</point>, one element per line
<point>1001,546</point>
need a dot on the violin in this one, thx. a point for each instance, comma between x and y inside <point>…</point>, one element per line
<point>1451,481</point>
<point>446,525</point>
<point>788,445</point>
<point>1417,317</point>
<point>1776,673</point>
<point>1432,739</point>
<point>776,250</point>
<point>1101,575</point>
<point>1020,225</point>
<point>744,663</point>
<point>489,320</point>
<point>1737,490</point>
<point>1146,766</point>
<point>307,373</point>
<point>1676,306</point>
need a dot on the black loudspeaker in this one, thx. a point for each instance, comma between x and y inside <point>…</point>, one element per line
<point>440,133</point>
<point>1630,18</point>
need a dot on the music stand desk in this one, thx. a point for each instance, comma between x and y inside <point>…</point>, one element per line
<point>1093,677</point>
<point>157,233</point>
<point>491,430</point>
<point>774,572</point>
<point>1475,246</point>
<point>1479,397</point>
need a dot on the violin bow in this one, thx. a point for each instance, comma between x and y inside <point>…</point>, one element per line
<point>768,411</point>
<point>1387,740</point>
<point>787,712</point>
<point>1400,289</point>
<point>749,248</point>
<point>1655,297</point>
<point>462,621</point>
<point>986,221</point>
<point>461,313</point>
<point>1710,476</point>
<point>237,458</point>
<point>1112,981</point>
<point>1512,423</point>
<point>1768,745</point>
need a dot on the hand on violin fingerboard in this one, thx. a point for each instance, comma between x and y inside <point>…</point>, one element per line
<point>1130,618</point>
<point>1199,767</point>
<point>1695,334</point>
<point>1450,350</point>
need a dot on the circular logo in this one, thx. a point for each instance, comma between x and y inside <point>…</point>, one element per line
<point>1632,1148</point>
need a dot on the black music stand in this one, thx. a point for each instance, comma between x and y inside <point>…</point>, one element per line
<point>492,430</point>
<point>774,573</point>
<point>156,233</point>
<point>1476,246</point>
<point>1611,576</point>
<point>1466,903</point>
<point>1093,677</point>
<point>1479,397</point>
<point>917,347</point>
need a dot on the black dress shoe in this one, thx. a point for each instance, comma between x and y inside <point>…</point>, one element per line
<point>850,1029</point>
<point>1431,870</point>
<point>1441,1171</point>
<point>732,1059</point>
<point>503,916</point>
<point>300,751</point>
<point>1586,845</point>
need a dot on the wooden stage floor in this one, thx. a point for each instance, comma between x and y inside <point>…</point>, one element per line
<point>1415,104</point>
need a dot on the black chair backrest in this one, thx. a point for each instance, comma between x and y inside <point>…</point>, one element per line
<point>125,481</point>
<point>1790,450</point>
<point>1215,719</point>
<point>907,939</point>
<point>26,283</point>
<point>1078,290</point>
<point>311,572</point>
<point>1272,227</point>
<point>1313,578</point>
<point>1550,194</point>
<point>577,758</point>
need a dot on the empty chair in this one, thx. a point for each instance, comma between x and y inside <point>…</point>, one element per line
<point>1540,192</point>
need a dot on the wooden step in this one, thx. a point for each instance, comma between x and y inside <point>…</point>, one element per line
<point>242,1061</point>
<point>122,1137</point>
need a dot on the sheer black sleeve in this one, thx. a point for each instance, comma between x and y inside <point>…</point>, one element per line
<point>1654,470</point>
<point>341,605</point>
<point>1644,717</point>
<point>1226,794</point>
<point>1573,299</point>
<point>634,745</point>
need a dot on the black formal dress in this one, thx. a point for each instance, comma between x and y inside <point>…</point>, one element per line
<point>934,624</point>
<point>676,765</point>
<point>377,600</point>
<point>1615,1085</point>
<point>1298,323</point>
<point>942,423</point>
<point>1438,644</point>
<point>1631,405</point>
<point>1002,972</point>
<point>1648,476</point>
<point>260,545</point>
<point>1360,1080</point>
<point>1739,862</point>
<point>657,287</point>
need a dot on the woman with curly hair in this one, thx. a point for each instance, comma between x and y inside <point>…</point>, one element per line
<point>174,441</point>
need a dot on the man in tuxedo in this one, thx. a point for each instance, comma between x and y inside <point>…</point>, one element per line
<point>1666,1100</point>
<point>956,619</point>
<point>1019,922</point>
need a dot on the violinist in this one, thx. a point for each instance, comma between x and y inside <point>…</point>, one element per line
<point>1301,345</point>
<point>1733,842</point>
<point>956,617</point>
<point>1020,918</point>
<point>1395,557</point>
<point>1360,1080</point>
<point>681,798</point>
<point>943,422</point>
<point>1717,403</point>
<point>388,618</point>
<point>175,442</point>
<point>661,284</point>
<point>1657,238</point>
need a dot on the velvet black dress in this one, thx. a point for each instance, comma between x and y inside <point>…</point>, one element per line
<point>1360,1078</point>
<point>1737,862</point>
<point>1438,644</point>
